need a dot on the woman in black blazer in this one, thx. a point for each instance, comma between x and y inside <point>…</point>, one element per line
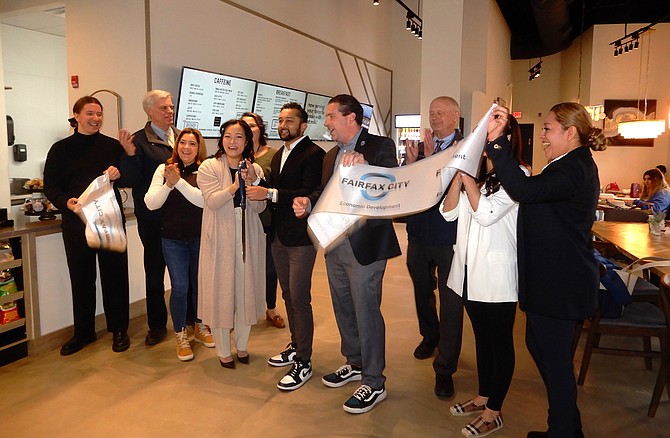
<point>558,275</point>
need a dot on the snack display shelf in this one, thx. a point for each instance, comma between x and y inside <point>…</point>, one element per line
<point>11,326</point>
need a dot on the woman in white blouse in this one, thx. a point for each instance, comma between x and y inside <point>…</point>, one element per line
<point>484,273</point>
<point>174,189</point>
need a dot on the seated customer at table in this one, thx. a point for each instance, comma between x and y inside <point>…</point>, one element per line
<point>655,193</point>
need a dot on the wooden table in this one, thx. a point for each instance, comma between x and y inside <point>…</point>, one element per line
<point>634,240</point>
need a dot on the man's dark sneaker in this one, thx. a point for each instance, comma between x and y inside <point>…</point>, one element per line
<point>155,336</point>
<point>284,358</point>
<point>364,399</point>
<point>344,374</point>
<point>444,386</point>
<point>424,350</point>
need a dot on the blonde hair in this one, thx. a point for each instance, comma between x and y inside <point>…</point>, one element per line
<point>573,114</point>
<point>658,182</point>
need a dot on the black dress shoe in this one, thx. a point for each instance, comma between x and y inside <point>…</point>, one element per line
<point>444,386</point>
<point>243,359</point>
<point>230,365</point>
<point>155,336</point>
<point>120,341</point>
<point>424,350</point>
<point>75,344</point>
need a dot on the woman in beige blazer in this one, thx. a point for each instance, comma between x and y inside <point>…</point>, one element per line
<point>231,287</point>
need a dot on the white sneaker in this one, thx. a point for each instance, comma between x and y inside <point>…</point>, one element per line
<point>284,358</point>
<point>184,352</point>
<point>294,379</point>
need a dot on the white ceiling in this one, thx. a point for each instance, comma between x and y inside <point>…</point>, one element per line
<point>51,21</point>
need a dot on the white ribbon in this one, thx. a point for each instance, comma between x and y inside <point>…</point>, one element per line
<point>360,191</point>
<point>102,215</point>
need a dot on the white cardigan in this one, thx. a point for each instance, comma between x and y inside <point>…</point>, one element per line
<point>487,239</point>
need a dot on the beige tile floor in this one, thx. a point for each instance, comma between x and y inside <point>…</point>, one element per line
<point>147,392</point>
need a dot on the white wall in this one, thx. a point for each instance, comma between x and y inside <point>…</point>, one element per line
<point>35,67</point>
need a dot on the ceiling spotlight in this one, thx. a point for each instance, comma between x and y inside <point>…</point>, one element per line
<point>616,52</point>
<point>535,71</point>
<point>637,44</point>
<point>375,2</point>
<point>420,34</point>
<point>620,50</point>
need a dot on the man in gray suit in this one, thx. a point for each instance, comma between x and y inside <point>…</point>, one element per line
<point>356,266</point>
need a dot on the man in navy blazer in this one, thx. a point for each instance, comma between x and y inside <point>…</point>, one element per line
<point>356,265</point>
<point>295,171</point>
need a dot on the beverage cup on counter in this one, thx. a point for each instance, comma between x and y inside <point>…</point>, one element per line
<point>635,190</point>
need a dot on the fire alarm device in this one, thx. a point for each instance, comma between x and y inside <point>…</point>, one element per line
<point>74,80</point>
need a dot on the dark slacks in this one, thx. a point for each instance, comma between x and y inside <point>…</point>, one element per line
<point>356,291</point>
<point>113,267</point>
<point>549,341</point>
<point>154,272</point>
<point>294,266</point>
<point>493,326</point>
<point>446,331</point>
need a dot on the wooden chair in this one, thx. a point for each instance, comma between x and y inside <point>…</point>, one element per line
<point>663,379</point>
<point>639,319</point>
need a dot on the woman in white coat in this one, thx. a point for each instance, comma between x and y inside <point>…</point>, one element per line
<point>484,273</point>
<point>231,287</point>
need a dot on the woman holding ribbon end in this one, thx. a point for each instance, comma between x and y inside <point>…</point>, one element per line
<point>231,276</point>
<point>558,273</point>
<point>484,272</point>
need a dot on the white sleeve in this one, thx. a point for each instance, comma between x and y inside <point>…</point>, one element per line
<point>158,190</point>
<point>192,194</point>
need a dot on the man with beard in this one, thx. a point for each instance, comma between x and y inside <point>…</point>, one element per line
<point>295,171</point>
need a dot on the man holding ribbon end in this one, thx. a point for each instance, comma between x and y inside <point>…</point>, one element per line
<point>430,249</point>
<point>356,265</point>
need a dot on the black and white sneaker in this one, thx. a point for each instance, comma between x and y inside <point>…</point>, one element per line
<point>294,379</point>
<point>344,374</point>
<point>284,358</point>
<point>364,399</point>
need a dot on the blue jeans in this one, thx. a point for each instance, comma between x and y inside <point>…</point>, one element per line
<point>181,258</point>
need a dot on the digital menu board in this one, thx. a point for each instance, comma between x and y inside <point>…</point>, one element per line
<point>268,103</point>
<point>207,100</point>
<point>316,110</point>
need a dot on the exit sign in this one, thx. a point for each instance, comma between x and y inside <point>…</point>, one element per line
<point>516,114</point>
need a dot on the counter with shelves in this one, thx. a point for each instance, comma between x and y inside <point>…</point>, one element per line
<point>40,259</point>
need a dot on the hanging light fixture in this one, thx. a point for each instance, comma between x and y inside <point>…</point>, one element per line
<point>535,70</point>
<point>643,128</point>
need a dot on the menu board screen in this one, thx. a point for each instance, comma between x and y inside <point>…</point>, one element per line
<point>268,103</point>
<point>316,110</point>
<point>207,100</point>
